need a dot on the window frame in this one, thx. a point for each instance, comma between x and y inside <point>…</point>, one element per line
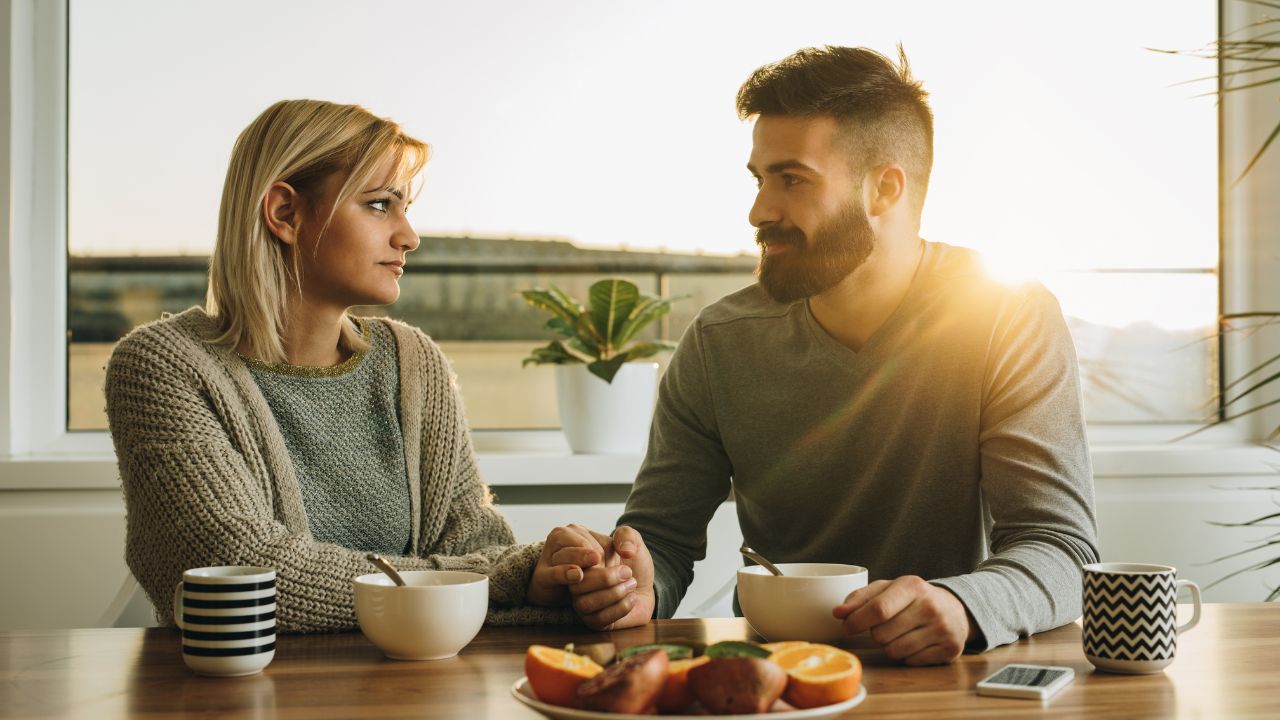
<point>36,447</point>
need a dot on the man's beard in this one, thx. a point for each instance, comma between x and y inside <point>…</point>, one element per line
<point>814,265</point>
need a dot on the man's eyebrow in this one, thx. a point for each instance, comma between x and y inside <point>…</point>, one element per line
<point>784,166</point>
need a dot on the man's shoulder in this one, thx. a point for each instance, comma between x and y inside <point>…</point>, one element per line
<point>749,303</point>
<point>960,274</point>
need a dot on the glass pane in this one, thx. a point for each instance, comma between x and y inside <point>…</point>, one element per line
<point>588,123</point>
<point>1147,343</point>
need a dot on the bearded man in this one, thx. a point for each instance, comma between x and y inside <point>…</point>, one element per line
<point>874,399</point>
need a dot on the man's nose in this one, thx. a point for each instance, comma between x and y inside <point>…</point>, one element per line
<point>763,210</point>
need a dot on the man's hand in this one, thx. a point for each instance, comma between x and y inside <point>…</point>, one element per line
<point>618,593</point>
<point>567,551</point>
<point>913,621</point>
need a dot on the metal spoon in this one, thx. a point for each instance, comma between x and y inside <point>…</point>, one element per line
<point>385,567</point>
<point>759,559</point>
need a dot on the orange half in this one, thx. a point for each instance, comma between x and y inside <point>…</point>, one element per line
<point>555,674</point>
<point>818,675</point>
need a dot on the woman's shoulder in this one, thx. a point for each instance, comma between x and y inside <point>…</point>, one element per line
<point>174,336</point>
<point>409,338</point>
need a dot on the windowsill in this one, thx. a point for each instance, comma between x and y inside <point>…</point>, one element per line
<point>543,458</point>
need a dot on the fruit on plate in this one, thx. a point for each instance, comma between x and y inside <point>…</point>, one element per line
<point>603,653</point>
<point>737,648</point>
<point>774,647</point>
<point>676,695</point>
<point>818,674</point>
<point>674,652</point>
<point>737,685</point>
<point>554,674</point>
<point>630,685</point>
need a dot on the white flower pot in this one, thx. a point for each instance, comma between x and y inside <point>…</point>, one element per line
<point>607,418</point>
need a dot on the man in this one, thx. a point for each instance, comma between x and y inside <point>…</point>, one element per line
<point>875,399</point>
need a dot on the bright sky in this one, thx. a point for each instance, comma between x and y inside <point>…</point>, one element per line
<point>1060,140</point>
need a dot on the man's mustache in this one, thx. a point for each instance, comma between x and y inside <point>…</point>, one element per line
<point>779,235</point>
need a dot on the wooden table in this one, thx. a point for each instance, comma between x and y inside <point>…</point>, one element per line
<point>1228,666</point>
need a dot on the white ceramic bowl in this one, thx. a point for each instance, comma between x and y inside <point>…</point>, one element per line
<point>433,616</point>
<point>797,605</point>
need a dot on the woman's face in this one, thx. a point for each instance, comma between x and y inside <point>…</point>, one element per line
<point>359,258</point>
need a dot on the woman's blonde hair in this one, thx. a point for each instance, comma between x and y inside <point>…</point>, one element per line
<point>299,142</point>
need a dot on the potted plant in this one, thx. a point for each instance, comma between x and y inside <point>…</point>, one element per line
<point>605,396</point>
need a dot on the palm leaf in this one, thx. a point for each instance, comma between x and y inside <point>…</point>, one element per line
<point>641,351</point>
<point>611,301</point>
<point>554,353</point>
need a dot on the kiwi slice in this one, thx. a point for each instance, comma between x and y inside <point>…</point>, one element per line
<point>674,652</point>
<point>737,648</point>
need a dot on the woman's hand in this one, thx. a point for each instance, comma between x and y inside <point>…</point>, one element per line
<point>566,553</point>
<point>617,593</point>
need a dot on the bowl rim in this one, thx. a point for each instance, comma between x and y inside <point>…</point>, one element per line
<point>470,579</point>
<point>760,571</point>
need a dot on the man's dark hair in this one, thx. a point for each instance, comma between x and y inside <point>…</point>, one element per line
<point>883,110</point>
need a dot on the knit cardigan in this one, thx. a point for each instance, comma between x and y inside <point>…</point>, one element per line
<point>208,481</point>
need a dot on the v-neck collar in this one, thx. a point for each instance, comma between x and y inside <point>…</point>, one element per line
<point>870,350</point>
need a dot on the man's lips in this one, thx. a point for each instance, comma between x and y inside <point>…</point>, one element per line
<point>777,248</point>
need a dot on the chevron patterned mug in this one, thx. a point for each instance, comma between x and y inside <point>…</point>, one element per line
<point>1131,616</point>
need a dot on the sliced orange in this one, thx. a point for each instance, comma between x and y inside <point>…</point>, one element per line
<point>774,647</point>
<point>818,675</point>
<point>676,695</point>
<point>555,674</point>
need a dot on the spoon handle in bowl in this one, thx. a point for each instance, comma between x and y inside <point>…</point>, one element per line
<point>385,567</point>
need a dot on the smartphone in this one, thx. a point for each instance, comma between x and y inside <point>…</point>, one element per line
<point>1036,682</point>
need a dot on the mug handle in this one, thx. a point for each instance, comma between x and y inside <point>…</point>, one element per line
<point>1195,598</point>
<point>177,606</point>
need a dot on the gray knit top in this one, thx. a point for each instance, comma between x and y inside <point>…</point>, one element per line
<point>342,429</point>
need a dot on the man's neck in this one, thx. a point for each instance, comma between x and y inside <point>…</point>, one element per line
<point>852,311</point>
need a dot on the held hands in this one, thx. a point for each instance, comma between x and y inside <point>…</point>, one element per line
<point>564,555</point>
<point>618,593</point>
<point>913,621</point>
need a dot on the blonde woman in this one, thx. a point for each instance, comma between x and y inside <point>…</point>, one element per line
<point>273,428</point>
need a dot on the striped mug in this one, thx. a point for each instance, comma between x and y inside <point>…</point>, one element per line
<point>1131,616</point>
<point>227,616</point>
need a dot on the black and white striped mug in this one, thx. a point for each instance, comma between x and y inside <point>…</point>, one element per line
<point>227,616</point>
<point>1131,616</point>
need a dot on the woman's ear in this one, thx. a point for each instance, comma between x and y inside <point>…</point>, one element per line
<point>282,212</point>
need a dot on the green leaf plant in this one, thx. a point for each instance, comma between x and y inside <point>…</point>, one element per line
<point>601,335</point>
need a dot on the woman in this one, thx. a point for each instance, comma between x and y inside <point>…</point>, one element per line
<point>272,428</point>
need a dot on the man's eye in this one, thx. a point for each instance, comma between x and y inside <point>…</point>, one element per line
<point>789,180</point>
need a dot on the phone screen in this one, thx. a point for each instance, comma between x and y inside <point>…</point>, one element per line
<point>1026,676</point>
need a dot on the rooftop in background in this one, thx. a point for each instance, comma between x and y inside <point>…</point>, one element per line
<point>476,254</point>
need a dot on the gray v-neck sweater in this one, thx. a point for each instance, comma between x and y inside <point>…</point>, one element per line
<point>951,446</point>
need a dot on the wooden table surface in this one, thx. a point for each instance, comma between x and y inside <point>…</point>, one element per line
<point>1228,666</point>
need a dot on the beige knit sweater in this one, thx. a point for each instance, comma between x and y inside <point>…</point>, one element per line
<point>208,481</point>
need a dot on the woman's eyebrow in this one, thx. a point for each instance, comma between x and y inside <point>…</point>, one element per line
<point>394,191</point>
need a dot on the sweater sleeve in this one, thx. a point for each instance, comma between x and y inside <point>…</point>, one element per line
<point>685,476</point>
<point>462,527</point>
<point>1036,479</point>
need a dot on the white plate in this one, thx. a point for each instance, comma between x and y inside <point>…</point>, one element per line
<point>524,694</point>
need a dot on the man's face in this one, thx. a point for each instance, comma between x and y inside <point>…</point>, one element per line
<point>810,221</point>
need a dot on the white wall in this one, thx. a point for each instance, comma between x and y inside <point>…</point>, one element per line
<point>68,545</point>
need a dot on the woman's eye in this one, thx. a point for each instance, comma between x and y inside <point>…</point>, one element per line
<point>381,206</point>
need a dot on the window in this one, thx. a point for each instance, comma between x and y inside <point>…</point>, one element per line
<point>576,139</point>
